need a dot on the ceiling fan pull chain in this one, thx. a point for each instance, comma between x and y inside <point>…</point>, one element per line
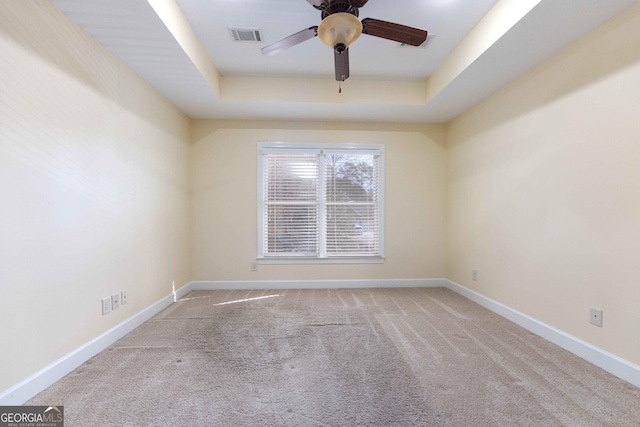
<point>340,87</point>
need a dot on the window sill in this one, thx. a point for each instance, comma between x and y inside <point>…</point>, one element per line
<point>313,260</point>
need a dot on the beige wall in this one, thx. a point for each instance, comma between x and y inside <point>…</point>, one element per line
<point>543,190</point>
<point>224,199</point>
<point>94,185</point>
<point>538,188</point>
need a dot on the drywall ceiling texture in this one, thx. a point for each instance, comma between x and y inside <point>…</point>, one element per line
<point>183,48</point>
<point>543,185</point>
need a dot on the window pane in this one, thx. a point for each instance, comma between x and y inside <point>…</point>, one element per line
<point>351,187</point>
<point>351,178</point>
<point>291,230</point>
<point>352,230</point>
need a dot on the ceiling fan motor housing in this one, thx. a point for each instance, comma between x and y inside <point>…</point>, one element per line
<point>339,6</point>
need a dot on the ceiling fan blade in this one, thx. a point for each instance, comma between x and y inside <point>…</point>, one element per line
<point>342,64</point>
<point>290,41</point>
<point>359,3</point>
<point>396,32</point>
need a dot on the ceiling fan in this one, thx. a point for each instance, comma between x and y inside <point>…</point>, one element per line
<point>340,27</point>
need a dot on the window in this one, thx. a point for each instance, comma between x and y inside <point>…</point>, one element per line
<point>320,203</point>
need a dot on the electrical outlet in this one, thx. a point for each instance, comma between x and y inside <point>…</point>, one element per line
<point>254,266</point>
<point>106,305</point>
<point>474,275</point>
<point>123,297</point>
<point>596,317</point>
<point>115,301</point>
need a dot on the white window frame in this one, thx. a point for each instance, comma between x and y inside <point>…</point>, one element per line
<point>310,147</point>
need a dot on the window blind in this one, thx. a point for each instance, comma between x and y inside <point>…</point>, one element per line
<point>320,203</point>
<point>291,199</point>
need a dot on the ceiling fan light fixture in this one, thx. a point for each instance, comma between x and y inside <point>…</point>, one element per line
<point>339,29</point>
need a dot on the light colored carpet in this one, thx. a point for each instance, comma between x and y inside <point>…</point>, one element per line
<point>366,357</point>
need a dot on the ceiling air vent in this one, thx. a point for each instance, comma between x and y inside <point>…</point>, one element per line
<point>245,34</point>
<point>424,45</point>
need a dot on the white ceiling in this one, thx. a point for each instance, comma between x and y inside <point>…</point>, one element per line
<point>134,32</point>
<point>370,57</point>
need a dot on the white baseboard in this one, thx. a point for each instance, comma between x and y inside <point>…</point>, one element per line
<point>44,378</point>
<point>609,362</point>
<point>316,284</point>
